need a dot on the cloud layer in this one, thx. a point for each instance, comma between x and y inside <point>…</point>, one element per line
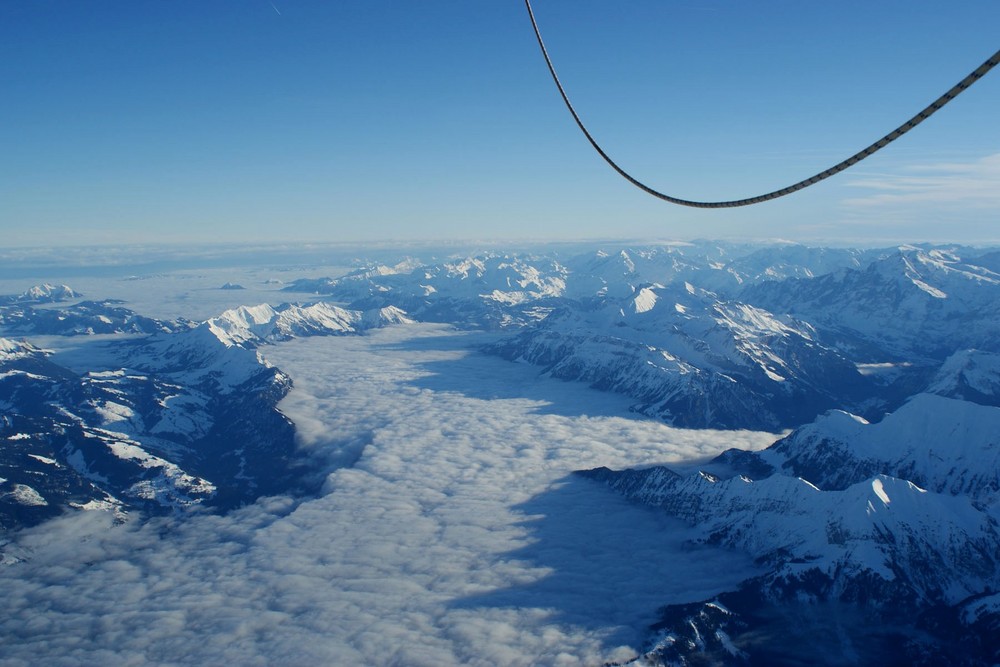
<point>447,532</point>
<point>971,184</point>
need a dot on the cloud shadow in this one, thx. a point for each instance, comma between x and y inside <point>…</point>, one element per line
<point>457,364</point>
<point>610,564</point>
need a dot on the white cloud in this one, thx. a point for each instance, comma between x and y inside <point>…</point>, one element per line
<point>455,538</point>
<point>973,184</point>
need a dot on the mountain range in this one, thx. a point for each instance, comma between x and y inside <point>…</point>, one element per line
<point>873,519</point>
<point>893,525</point>
<point>182,417</point>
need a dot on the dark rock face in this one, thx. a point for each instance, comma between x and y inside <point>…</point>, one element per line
<point>749,627</point>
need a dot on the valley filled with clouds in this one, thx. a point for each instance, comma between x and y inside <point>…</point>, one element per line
<point>572,454</point>
<point>448,530</point>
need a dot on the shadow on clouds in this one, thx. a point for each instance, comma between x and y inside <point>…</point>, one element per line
<point>610,564</point>
<point>489,378</point>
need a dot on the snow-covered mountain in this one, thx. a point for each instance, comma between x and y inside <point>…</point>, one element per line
<point>171,420</point>
<point>64,445</point>
<point>693,359</point>
<point>898,517</point>
<point>792,260</point>
<point>44,293</point>
<point>724,268</point>
<point>492,290</point>
<point>883,537</point>
<point>913,303</point>
<point>787,349</point>
<point>618,273</point>
<point>254,325</point>
<point>506,290</point>
<point>84,318</point>
<point>941,444</point>
<point>969,375</point>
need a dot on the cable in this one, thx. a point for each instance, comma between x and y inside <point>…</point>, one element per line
<point>926,113</point>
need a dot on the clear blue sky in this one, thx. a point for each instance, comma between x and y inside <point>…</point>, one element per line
<point>226,121</point>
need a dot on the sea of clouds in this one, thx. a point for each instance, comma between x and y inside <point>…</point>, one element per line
<point>449,531</point>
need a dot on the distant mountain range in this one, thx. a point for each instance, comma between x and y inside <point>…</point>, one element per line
<point>712,334</point>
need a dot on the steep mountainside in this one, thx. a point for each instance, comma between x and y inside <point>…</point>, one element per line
<point>913,303</point>
<point>178,419</point>
<point>139,436</point>
<point>693,359</point>
<point>969,375</point>
<point>896,520</point>
<point>84,318</point>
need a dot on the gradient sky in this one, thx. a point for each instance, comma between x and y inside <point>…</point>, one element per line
<point>230,121</point>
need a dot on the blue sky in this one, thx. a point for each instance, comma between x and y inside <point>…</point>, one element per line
<point>225,121</point>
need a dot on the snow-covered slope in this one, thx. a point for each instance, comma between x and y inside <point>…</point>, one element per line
<point>969,375</point>
<point>84,318</point>
<point>178,418</point>
<point>883,537</point>
<point>64,445</point>
<point>912,303</point>
<point>252,325</point>
<point>896,519</point>
<point>941,444</point>
<point>693,359</point>
<point>14,349</point>
<point>45,293</point>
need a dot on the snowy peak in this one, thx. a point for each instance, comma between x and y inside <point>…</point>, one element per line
<point>510,279</point>
<point>255,325</point>
<point>46,293</point>
<point>242,325</point>
<point>383,317</point>
<point>13,349</point>
<point>793,260</point>
<point>490,289</point>
<point>692,358</point>
<point>937,273</point>
<point>644,300</point>
<point>969,375</point>
<point>618,273</point>
<point>918,544</point>
<point>910,303</point>
<point>721,267</point>
<point>941,444</point>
